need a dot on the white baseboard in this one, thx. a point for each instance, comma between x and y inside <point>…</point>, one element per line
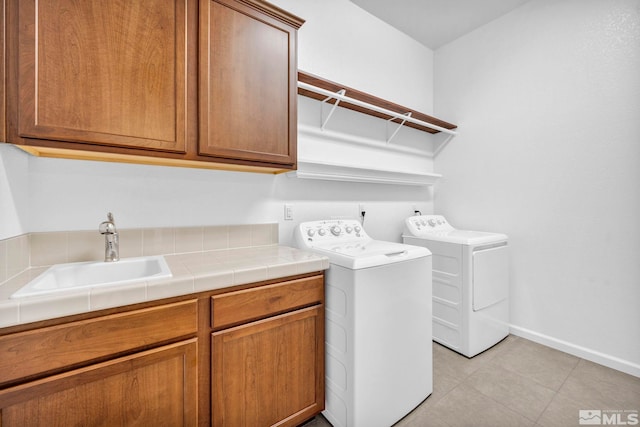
<point>582,352</point>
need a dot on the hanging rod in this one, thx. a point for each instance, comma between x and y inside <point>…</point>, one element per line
<point>394,114</point>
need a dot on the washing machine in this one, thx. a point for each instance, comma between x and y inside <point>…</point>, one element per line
<point>470,283</point>
<point>378,324</point>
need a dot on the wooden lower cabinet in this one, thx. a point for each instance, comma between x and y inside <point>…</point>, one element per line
<point>152,388</point>
<point>269,372</point>
<point>252,356</point>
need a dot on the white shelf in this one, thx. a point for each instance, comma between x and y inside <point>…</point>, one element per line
<point>338,172</point>
<point>308,132</point>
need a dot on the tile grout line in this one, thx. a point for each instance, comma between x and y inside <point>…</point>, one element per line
<point>501,404</point>
<point>557,392</point>
<point>464,381</point>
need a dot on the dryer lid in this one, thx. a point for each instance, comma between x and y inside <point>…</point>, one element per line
<point>436,227</point>
<point>464,237</point>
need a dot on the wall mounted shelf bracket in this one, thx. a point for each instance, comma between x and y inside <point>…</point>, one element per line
<point>324,120</point>
<point>395,132</point>
<point>441,145</point>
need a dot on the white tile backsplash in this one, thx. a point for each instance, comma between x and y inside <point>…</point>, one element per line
<point>239,236</point>
<point>48,248</point>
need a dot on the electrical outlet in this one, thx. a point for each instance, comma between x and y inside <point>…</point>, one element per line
<point>288,212</point>
<point>361,208</point>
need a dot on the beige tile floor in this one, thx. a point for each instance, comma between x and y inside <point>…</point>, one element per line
<point>517,383</point>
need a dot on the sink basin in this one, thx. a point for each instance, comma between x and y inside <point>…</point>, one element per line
<point>62,277</point>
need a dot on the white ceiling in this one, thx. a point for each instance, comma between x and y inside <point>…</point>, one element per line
<point>435,23</point>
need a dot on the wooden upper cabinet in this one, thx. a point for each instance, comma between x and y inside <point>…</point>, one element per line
<point>105,72</point>
<point>3,122</point>
<point>248,75</point>
<point>124,80</point>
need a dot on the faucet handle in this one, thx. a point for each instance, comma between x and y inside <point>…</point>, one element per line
<point>109,226</point>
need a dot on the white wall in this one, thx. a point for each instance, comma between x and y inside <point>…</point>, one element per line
<point>40,194</point>
<point>343,43</point>
<point>548,103</point>
<point>76,195</point>
<point>14,192</point>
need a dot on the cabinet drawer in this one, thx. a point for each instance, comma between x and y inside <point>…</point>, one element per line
<point>255,303</point>
<point>47,349</point>
<point>156,387</point>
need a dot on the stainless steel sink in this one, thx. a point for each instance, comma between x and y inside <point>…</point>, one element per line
<point>63,277</point>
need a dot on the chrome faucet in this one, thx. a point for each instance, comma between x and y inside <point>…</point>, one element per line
<point>111,243</point>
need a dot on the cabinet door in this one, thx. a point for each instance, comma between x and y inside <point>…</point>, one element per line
<point>152,388</point>
<point>102,72</point>
<point>3,127</point>
<point>269,372</point>
<point>248,82</point>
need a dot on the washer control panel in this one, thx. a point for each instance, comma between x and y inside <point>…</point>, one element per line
<point>329,231</point>
<point>421,224</point>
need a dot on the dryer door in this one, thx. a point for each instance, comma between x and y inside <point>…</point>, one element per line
<point>490,276</point>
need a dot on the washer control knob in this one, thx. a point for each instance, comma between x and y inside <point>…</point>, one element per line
<point>423,222</point>
<point>311,232</point>
<point>335,230</point>
<point>322,232</point>
<point>432,222</point>
<point>348,229</point>
<point>357,228</point>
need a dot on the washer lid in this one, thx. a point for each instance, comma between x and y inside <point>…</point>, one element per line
<point>370,253</point>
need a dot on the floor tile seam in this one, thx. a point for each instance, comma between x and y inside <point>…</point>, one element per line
<point>611,381</point>
<point>528,379</point>
<point>538,382</point>
<point>521,377</point>
<point>443,416</point>
<point>562,396</point>
<point>447,393</point>
<point>608,402</point>
<point>508,408</point>
<point>557,394</point>
<point>569,375</point>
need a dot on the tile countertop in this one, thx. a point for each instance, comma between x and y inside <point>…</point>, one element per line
<point>192,272</point>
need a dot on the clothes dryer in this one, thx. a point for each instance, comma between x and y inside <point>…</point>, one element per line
<point>470,283</point>
<point>378,324</point>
